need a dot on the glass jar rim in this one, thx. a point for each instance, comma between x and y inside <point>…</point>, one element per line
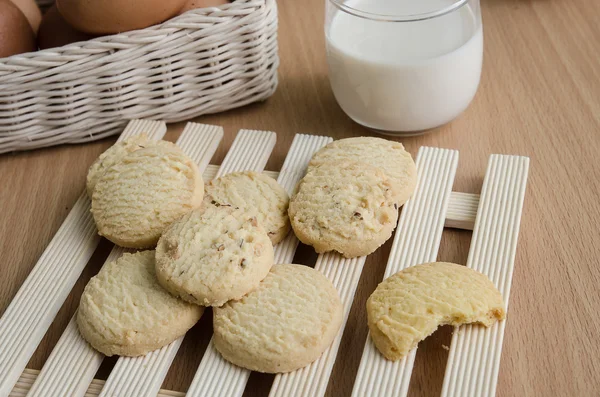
<point>340,4</point>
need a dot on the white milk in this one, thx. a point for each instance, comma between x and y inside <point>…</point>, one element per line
<point>404,76</point>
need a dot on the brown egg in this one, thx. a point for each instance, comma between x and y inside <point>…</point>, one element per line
<point>56,32</point>
<point>193,4</point>
<point>32,12</point>
<point>16,36</point>
<point>115,16</point>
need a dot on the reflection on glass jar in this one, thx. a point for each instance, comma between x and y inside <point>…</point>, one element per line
<point>404,66</point>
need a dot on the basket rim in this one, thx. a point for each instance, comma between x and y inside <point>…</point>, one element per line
<point>215,15</point>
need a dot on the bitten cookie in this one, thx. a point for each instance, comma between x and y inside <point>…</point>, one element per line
<point>346,207</point>
<point>253,192</point>
<point>390,156</point>
<point>138,197</point>
<point>114,154</point>
<point>124,311</point>
<point>212,255</point>
<point>408,306</point>
<point>284,325</point>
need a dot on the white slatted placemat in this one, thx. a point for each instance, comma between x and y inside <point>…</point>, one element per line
<point>73,363</point>
<point>475,353</point>
<point>474,359</point>
<point>215,376</point>
<point>143,376</point>
<point>39,299</point>
<point>433,165</point>
<point>417,241</point>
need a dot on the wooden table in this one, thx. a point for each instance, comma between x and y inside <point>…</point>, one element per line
<point>539,97</point>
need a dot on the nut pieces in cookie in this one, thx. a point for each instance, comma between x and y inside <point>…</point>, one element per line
<point>213,254</point>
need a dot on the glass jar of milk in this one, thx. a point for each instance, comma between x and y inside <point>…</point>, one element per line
<point>404,66</point>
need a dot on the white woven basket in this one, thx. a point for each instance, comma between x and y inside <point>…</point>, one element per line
<point>204,61</point>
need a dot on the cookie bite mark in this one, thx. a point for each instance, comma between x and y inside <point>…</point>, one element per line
<point>410,305</point>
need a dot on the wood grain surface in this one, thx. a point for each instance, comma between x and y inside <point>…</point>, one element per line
<point>539,97</point>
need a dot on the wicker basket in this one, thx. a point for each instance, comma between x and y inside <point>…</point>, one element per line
<point>204,61</point>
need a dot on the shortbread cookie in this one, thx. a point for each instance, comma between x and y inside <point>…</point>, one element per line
<point>212,255</point>
<point>409,306</point>
<point>114,154</point>
<point>125,311</point>
<point>390,156</point>
<point>138,197</point>
<point>345,206</point>
<point>285,324</point>
<point>253,192</point>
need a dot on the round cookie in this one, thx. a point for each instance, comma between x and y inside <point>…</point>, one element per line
<point>212,255</point>
<point>124,311</point>
<point>345,207</point>
<point>284,325</point>
<point>114,154</point>
<point>138,197</point>
<point>390,156</point>
<point>253,192</point>
<point>409,306</point>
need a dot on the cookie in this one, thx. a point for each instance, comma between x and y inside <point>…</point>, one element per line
<point>137,198</point>
<point>124,311</point>
<point>345,206</point>
<point>114,154</point>
<point>253,192</point>
<point>408,306</point>
<point>284,325</point>
<point>390,156</point>
<point>212,255</point>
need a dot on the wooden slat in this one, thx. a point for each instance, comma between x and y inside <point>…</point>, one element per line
<point>474,359</point>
